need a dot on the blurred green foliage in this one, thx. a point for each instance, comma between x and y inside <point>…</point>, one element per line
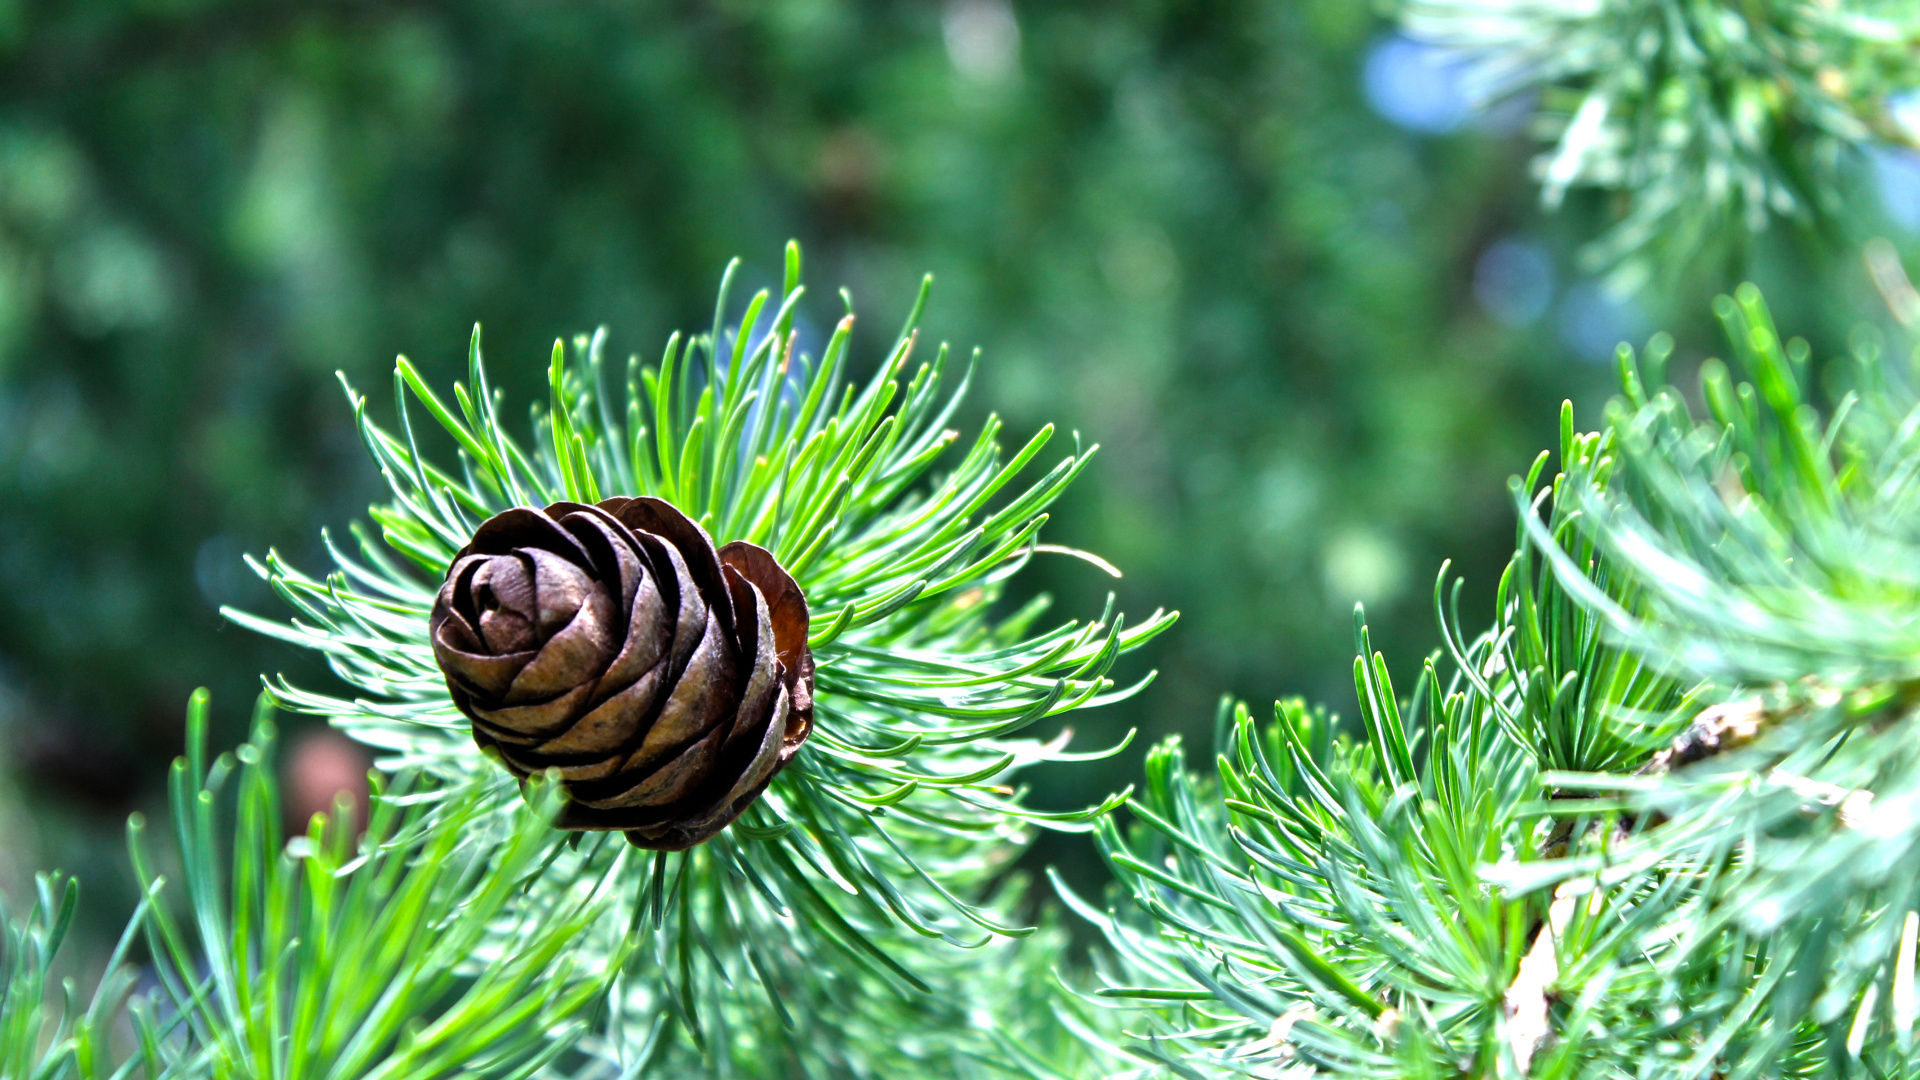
<point>1312,343</point>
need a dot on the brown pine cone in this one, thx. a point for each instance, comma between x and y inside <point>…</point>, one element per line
<point>668,682</point>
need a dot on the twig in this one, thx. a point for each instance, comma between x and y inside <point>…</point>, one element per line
<point>1527,998</point>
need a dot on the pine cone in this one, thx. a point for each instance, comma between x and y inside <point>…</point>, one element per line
<point>668,682</point>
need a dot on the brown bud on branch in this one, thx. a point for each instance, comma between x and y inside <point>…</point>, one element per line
<point>666,681</point>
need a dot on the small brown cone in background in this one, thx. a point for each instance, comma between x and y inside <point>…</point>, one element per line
<point>323,766</point>
<point>667,681</point>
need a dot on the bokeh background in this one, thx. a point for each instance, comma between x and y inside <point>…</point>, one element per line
<point>1261,251</point>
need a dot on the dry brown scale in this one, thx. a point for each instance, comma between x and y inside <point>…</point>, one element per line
<point>666,681</point>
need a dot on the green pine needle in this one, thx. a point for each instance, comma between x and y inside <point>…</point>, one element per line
<point>45,1034</point>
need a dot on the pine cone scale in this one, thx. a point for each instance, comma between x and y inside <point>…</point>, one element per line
<point>459,651</point>
<point>695,760</point>
<point>700,699</point>
<point>690,622</point>
<point>614,643</point>
<point>667,782</point>
<point>766,665</point>
<point>616,721</point>
<point>529,725</point>
<point>758,770</point>
<point>648,640</point>
<point>580,647</point>
<point>787,617</point>
<point>507,613</point>
<point>688,544</point>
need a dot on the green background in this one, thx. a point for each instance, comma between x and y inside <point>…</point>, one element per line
<point>1181,229</point>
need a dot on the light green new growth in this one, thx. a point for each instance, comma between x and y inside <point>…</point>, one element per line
<point>404,953</point>
<point>330,956</point>
<point>870,857</point>
<point>44,1032</point>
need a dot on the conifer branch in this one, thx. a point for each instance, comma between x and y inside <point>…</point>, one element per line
<point>1712,121</point>
<point>888,829</point>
